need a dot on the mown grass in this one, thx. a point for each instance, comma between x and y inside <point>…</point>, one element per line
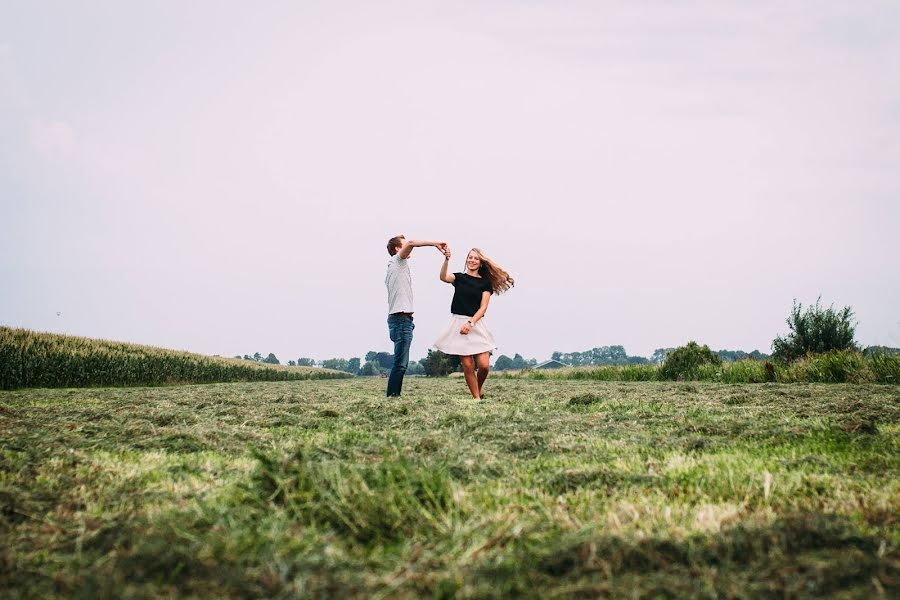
<point>32,359</point>
<point>831,367</point>
<point>548,488</point>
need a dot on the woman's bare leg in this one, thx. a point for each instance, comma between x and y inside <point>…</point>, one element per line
<point>468,366</point>
<point>483,362</point>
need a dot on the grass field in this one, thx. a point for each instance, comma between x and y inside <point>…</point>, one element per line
<point>546,488</point>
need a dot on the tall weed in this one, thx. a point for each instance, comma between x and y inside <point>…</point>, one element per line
<point>885,368</point>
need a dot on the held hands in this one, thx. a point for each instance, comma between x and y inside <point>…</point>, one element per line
<point>445,250</point>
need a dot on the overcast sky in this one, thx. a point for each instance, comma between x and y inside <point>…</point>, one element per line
<point>222,177</point>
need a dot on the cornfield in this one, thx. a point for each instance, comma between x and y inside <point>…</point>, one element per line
<point>31,359</point>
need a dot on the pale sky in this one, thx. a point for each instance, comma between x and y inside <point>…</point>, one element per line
<point>222,177</point>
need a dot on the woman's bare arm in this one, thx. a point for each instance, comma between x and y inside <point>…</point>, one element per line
<point>485,300</point>
<point>445,276</point>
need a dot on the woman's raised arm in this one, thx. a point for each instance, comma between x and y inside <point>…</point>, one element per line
<point>445,276</point>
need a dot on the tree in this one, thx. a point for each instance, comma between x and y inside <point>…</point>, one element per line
<point>438,364</point>
<point>257,357</point>
<point>292,363</point>
<point>518,362</point>
<point>385,360</point>
<point>659,355</point>
<point>415,368</point>
<point>353,365</point>
<point>814,331</point>
<point>881,350</point>
<point>504,363</point>
<point>337,364</point>
<point>731,355</point>
<point>601,355</point>
<point>306,362</point>
<point>238,356</point>
<point>271,359</point>
<point>369,369</point>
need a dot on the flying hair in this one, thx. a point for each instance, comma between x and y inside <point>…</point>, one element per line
<point>500,280</point>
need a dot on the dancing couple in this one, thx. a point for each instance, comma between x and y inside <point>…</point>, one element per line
<point>467,336</point>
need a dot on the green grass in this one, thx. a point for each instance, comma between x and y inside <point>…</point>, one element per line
<point>31,359</point>
<point>548,488</point>
<point>831,367</point>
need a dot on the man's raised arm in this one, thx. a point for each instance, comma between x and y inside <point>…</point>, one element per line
<point>408,246</point>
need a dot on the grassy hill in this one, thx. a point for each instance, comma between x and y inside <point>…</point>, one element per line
<point>33,359</point>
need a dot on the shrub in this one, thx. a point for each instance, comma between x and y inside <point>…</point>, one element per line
<point>686,362</point>
<point>438,364</point>
<point>815,331</point>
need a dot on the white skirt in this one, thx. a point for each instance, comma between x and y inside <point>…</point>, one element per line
<point>478,340</point>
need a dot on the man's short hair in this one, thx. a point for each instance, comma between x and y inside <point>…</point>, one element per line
<point>394,242</point>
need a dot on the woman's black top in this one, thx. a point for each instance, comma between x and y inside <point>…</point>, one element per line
<point>467,297</point>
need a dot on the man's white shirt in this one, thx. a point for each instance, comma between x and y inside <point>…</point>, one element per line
<point>399,285</point>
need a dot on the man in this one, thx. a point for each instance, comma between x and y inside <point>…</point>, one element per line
<point>400,304</point>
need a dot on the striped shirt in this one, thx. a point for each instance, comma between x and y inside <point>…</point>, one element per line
<point>399,285</point>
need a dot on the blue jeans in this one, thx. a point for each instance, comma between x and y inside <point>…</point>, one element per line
<point>400,328</point>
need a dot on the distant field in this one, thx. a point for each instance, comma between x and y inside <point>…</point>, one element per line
<point>33,359</point>
<point>545,489</point>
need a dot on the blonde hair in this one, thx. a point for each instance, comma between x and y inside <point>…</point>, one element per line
<point>500,280</point>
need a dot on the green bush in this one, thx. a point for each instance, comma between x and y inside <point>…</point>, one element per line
<point>816,330</point>
<point>438,364</point>
<point>688,361</point>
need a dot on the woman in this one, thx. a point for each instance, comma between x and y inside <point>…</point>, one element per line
<point>467,336</point>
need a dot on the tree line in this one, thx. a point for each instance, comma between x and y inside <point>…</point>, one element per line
<point>376,363</point>
<point>617,356</point>
<point>437,363</point>
<point>815,330</point>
